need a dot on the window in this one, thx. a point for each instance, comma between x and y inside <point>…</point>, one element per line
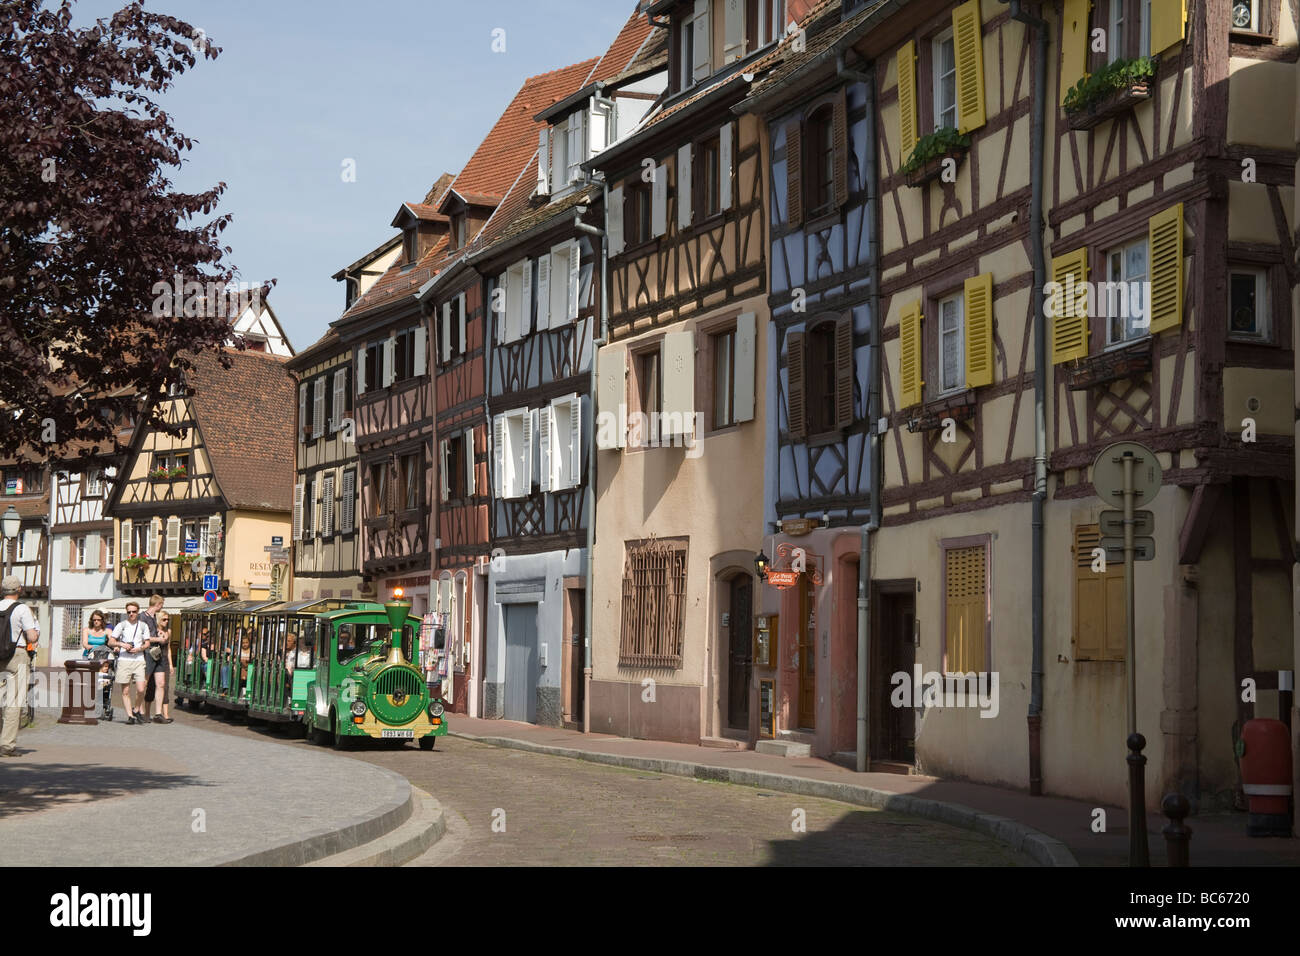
<point>374,365</point>
<point>687,59</point>
<point>724,376</point>
<point>1248,303</point>
<point>454,469</point>
<point>205,539</point>
<point>709,176</point>
<point>190,532</point>
<point>379,502</point>
<point>1115,33</point>
<point>452,329</point>
<point>78,546</point>
<point>409,246</point>
<point>516,322</point>
<point>764,22</point>
<point>170,461</point>
<point>654,604</point>
<point>1127,301</point>
<point>107,545</point>
<point>576,145</point>
<point>72,626</point>
<point>410,471</point>
<point>648,368</point>
<point>945,81</point>
<point>560,443</point>
<point>327,505</point>
<point>458,230</point>
<point>562,277</point>
<point>820,175</point>
<point>513,453</point>
<point>1245,16</point>
<point>1128,28</point>
<point>94,487</point>
<point>952,345</point>
<point>338,397</point>
<point>405,345</point>
<point>820,396</point>
<point>821,374</point>
<point>637,215</point>
<point>1099,631</point>
<point>141,539</point>
<point>966,607</point>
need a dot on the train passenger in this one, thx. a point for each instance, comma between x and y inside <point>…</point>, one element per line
<point>245,655</point>
<point>290,652</point>
<point>346,644</point>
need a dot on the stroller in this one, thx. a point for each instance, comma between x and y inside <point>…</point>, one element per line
<point>104,679</point>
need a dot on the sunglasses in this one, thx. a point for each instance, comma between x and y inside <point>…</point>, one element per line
<point>132,613</point>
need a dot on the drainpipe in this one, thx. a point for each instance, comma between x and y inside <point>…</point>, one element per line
<point>596,343</point>
<point>863,763</point>
<point>1035,717</point>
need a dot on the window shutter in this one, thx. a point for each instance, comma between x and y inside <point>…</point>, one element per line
<point>545,435</point>
<point>499,456</point>
<point>327,506</point>
<point>910,381</point>
<point>611,397</point>
<point>794,174</point>
<point>340,384</point>
<point>390,348</point>
<point>742,398</point>
<point>470,470</point>
<point>543,161</point>
<point>659,202</point>
<point>966,609</point>
<point>464,324</point>
<point>361,372</point>
<point>678,384</point>
<point>844,367</point>
<point>214,531</point>
<point>524,480</point>
<point>421,362</point>
<point>155,534</point>
<point>500,294</point>
<point>1167,20</point>
<point>796,399</point>
<point>1069,314</point>
<point>598,126</point>
<point>318,408</point>
<point>316,506</point>
<point>526,302</point>
<point>840,146</point>
<point>575,441</point>
<point>733,21</point>
<point>575,278</point>
<point>968,49</point>
<point>544,292</point>
<point>1165,236</point>
<point>69,551</point>
<point>1089,596</point>
<point>724,166</point>
<point>173,545</point>
<point>684,186</point>
<point>979,330</point>
<point>1074,44</point>
<point>615,221</point>
<point>907,120</point>
<point>703,64</point>
<point>125,550</point>
<point>92,551</point>
<point>444,478</point>
<point>348,511</point>
<point>302,411</point>
<point>444,348</point>
<point>297,511</point>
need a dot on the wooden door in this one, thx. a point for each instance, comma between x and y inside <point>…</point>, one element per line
<point>740,660</point>
<point>807,637</point>
<point>893,729</point>
<point>578,617</point>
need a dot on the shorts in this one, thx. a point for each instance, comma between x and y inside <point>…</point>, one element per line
<point>152,666</point>
<point>128,671</point>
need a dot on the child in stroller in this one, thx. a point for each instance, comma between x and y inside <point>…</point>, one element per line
<point>104,688</point>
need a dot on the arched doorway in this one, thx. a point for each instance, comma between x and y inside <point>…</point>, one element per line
<point>740,649</point>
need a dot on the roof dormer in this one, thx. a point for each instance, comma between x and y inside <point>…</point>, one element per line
<point>465,213</point>
<point>422,226</point>
<point>706,36</point>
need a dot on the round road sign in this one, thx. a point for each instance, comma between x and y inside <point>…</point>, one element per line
<point>1108,474</point>
<point>209,596</point>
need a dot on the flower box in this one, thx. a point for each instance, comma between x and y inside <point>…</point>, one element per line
<point>1117,102</point>
<point>932,168</point>
<point>931,416</point>
<point>1109,367</point>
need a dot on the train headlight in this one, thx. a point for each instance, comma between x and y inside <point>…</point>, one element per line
<point>435,709</point>
<point>358,708</point>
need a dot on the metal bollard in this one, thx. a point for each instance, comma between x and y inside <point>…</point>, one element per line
<point>1137,814</point>
<point>1178,835</point>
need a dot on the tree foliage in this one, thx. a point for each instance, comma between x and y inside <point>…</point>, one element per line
<point>90,223</point>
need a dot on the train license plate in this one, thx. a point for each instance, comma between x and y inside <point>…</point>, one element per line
<point>404,734</point>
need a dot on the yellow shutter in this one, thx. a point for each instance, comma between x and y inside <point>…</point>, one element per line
<point>1074,44</point>
<point>1099,633</point>
<point>966,609</point>
<point>968,50</point>
<point>1165,235</point>
<point>1068,307</point>
<point>906,101</point>
<point>979,330</point>
<point>909,356</point>
<point>1167,19</point>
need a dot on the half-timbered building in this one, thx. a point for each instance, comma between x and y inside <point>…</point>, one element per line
<point>209,495</point>
<point>1164,229</point>
<point>26,489</point>
<point>680,411</point>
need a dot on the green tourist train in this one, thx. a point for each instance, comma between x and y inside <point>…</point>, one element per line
<point>343,670</point>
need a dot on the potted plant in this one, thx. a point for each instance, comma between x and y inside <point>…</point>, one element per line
<point>177,472</point>
<point>182,562</point>
<point>136,563</point>
<point>159,474</point>
<point>1110,91</point>
<point>927,159</point>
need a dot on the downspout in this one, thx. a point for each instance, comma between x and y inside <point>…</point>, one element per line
<point>868,80</point>
<point>1037,120</point>
<point>596,343</point>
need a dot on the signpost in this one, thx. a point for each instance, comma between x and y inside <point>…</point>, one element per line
<point>211,583</point>
<point>277,541</point>
<point>1127,475</point>
<point>209,596</point>
<point>191,546</point>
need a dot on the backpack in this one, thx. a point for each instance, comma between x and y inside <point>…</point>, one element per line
<point>7,644</point>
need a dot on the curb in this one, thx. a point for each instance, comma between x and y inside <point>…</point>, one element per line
<point>1036,845</point>
<point>425,827</point>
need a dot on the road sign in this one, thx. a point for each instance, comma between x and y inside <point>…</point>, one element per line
<point>1144,549</point>
<point>1108,474</point>
<point>209,596</point>
<point>211,582</point>
<point>277,541</point>
<point>783,579</point>
<point>1112,523</point>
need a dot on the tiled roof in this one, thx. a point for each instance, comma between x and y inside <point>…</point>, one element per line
<point>625,48</point>
<point>244,414</point>
<point>440,186</point>
<point>326,345</point>
<point>823,31</point>
<point>425,213</point>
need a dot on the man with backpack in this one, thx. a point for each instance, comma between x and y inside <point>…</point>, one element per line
<point>18,634</point>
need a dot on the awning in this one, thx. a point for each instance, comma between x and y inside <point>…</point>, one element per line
<point>118,605</point>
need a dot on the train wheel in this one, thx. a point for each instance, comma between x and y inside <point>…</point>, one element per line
<point>341,740</point>
<point>316,736</point>
<point>426,743</point>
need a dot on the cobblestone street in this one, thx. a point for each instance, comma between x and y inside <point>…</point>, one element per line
<point>558,811</point>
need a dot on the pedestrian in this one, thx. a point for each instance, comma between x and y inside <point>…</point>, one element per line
<point>129,638</point>
<point>150,618</point>
<point>96,634</point>
<point>158,667</point>
<point>21,643</point>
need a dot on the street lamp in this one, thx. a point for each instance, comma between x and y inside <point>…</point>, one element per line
<point>760,564</point>
<point>10,525</point>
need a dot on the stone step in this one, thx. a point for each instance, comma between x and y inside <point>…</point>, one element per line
<point>783,748</point>
<point>724,743</point>
<point>422,829</point>
<point>849,758</point>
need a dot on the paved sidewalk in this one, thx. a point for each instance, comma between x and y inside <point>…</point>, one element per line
<point>1040,826</point>
<point>76,789</point>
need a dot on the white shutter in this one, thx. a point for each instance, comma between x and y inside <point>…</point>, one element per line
<point>524,485</point>
<point>678,384</point>
<point>684,186</point>
<point>315,505</point>
<point>155,532</point>
<point>361,371</point>
<point>543,160</point>
<point>173,545</point>
<point>615,221</point>
<point>575,441</point>
<point>125,549</point>
<point>545,435</point>
<point>318,408</point>
<point>500,294</point>
<point>297,511</point>
<point>390,350</point>
<point>464,319</point>
<point>443,478</point>
<point>340,381</point>
<point>92,551</point>
<point>327,506</point>
<point>575,278</point>
<point>444,349</point>
<point>559,158</point>
<point>544,292</point>
<point>214,530</point>
<point>499,456</point>
<point>733,30</point>
<point>598,129</point>
<point>470,476</point>
<point>659,201</point>
<point>421,360</point>
<point>348,512</point>
<point>302,411</point>
<point>743,386</point>
<point>724,165</point>
<point>526,301</point>
<point>703,65</point>
<point>611,397</point>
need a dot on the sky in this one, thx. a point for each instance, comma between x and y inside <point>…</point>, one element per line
<point>405,88</point>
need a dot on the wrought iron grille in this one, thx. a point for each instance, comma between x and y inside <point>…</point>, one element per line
<point>654,604</point>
